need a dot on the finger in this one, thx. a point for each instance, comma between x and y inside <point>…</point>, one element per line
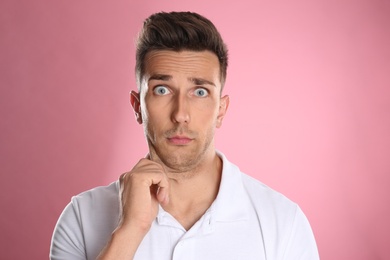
<point>122,178</point>
<point>151,174</point>
<point>163,195</point>
<point>121,183</point>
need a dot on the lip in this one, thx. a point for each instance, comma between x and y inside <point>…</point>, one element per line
<point>179,140</point>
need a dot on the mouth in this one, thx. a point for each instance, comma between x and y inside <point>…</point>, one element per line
<point>179,140</point>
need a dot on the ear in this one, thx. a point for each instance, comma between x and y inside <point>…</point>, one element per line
<point>223,106</point>
<point>134,100</point>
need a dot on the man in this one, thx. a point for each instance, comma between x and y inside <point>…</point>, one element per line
<point>185,200</point>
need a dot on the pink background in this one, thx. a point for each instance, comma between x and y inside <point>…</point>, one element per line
<point>309,83</point>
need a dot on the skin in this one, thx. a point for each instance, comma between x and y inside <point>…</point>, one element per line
<point>180,106</point>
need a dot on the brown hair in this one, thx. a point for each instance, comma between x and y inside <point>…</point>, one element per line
<point>180,31</point>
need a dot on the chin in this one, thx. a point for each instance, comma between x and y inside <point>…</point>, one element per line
<point>181,160</point>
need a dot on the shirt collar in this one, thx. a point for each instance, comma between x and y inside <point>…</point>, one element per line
<point>230,204</point>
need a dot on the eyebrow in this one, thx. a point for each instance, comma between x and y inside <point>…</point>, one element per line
<point>200,81</point>
<point>160,77</point>
<point>196,81</point>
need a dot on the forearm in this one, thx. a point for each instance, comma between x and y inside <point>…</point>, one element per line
<point>123,244</point>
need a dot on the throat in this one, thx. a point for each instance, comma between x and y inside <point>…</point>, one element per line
<point>190,197</point>
<point>190,215</point>
<point>188,202</point>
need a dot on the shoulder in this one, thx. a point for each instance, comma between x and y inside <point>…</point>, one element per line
<point>262,200</point>
<point>282,220</point>
<point>108,192</point>
<point>86,223</point>
<point>94,201</point>
<point>284,227</point>
<point>98,199</point>
<point>256,189</point>
<point>269,203</point>
<point>259,193</point>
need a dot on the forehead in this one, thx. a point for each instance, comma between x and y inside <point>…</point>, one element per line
<point>203,64</point>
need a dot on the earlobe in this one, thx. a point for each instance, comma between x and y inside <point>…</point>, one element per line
<point>223,106</point>
<point>135,103</point>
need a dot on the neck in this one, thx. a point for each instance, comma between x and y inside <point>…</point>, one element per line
<point>192,193</point>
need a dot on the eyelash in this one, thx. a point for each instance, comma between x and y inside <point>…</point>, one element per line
<point>203,89</point>
<point>167,91</point>
<point>155,90</point>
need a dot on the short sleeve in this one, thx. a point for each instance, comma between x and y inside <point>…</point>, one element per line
<point>301,244</point>
<point>67,241</point>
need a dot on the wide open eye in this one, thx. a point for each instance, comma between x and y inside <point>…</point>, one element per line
<point>201,92</point>
<point>161,90</point>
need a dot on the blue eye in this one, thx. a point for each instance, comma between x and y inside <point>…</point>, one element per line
<point>201,92</point>
<point>161,90</point>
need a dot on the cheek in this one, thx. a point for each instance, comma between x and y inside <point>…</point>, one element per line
<point>206,118</point>
<point>207,107</point>
<point>157,118</point>
<point>151,109</point>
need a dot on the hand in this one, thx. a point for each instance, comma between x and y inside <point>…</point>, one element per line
<point>142,190</point>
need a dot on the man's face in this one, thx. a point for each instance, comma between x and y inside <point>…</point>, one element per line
<point>180,106</point>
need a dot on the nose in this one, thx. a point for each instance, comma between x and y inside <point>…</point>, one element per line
<point>180,112</point>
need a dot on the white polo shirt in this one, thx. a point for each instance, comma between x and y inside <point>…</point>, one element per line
<point>247,220</point>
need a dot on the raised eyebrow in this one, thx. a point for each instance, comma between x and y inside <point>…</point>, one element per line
<point>162,77</point>
<point>200,81</point>
<point>196,81</point>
